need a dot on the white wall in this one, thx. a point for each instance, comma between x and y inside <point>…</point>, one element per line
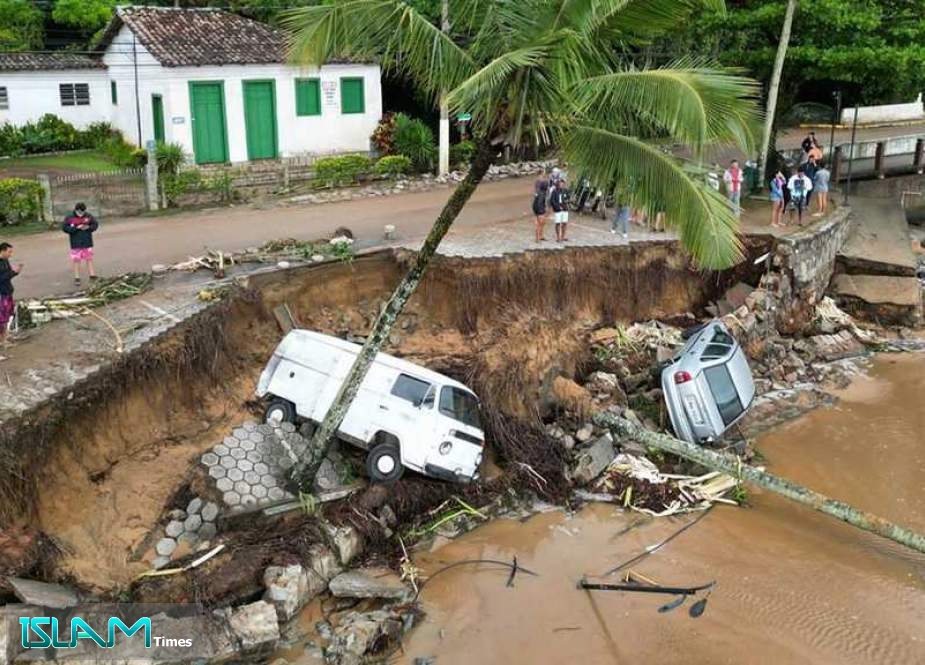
<point>886,113</point>
<point>329,132</point>
<point>32,94</point>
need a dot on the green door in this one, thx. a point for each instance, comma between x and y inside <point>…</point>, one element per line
<point>260,119</point>
<point>157,109</point>
<point>207,114</point>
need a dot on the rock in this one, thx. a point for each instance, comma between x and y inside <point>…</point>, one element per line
<point>608,384</point>
<point>324,563</point>
<point>165,546</point>
<point>43,594</point>
<point>177,514</point>
<point>173,529</point>
<point>358,633</point>
<point>255,626</point>
<point>585,433</point>
<point>209,512</point>
<point>346,540</point>
<point>159,562</point>
<point>663,354</point>
<point>555,431</point>
<point>387,516</point>
<point>394,339</point>
<point>567,442</point>
<point>368,583</point>
<point>207,531</point>
<point>192,523</point>
<point>194,506</point>
<point>288,588</point>
<point>636,381</point>
<point>593,460</point>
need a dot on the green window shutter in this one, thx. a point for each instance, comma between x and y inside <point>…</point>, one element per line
<point>308,97</point>
<point>352,99</point>
<point>114,91</point>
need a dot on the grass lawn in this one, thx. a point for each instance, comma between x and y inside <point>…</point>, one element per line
<point>81,161</point>
<point>7,232</point>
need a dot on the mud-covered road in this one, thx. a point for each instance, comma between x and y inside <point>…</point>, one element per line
<point>793,586</point>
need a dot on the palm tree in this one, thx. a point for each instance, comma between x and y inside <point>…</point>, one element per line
<point>546,72</point>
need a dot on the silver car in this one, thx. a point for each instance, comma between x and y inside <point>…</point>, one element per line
<point>708,385</point>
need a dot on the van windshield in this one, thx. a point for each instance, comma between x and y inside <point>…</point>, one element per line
<point>724,393</point>
<point>460,405</point>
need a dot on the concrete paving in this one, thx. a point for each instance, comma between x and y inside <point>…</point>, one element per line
<point>880,289</point>
<point>880,243</point>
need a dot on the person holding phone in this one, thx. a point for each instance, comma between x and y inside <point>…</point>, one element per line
<point>80,226</point>
<point>7,304</point>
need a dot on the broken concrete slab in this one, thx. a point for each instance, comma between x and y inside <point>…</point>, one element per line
<point>347,542</point>
<point>43,594</point>
<point>593,459</point>
<point>357,633</point>
<point>885,299</point>
<point>368,583</point>
<point>288,588</point>
<point>255,626</point>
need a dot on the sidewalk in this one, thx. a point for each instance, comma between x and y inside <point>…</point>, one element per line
<point>128,245</point>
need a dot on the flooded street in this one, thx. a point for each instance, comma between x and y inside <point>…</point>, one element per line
<point>793,586</point>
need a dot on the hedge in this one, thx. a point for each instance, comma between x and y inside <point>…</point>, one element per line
<point>20,201</point>
<point>341,170</point>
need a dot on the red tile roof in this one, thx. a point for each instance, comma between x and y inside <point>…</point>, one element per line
<point>57,60</point>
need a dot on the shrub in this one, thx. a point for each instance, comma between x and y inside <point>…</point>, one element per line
<point>96,134</point>
<point>49,134</point>
<point>341,170</point>
<point>175,185</point>
<point>170,157</point>
<point>123,153</point>
<point>20,201</point>
<point>393,166</point>
<point>415,139</point>
<point>462,153</point>
<point>10,140</point>
<point>383,137</point>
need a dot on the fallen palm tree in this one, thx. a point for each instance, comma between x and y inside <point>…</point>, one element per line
<point>737,469</point>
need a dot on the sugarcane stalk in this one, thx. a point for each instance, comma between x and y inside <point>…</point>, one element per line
<point>734,466</point>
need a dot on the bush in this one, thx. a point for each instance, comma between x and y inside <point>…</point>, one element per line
<point>415,139</point>
<point>97,133</point>
<point>123,153</point>
<point>170,157</point>
<point>341,170</point>
<point>462,153</point>
<point>49,134</point>
<point>10,140</point>
<point>20,201</point>
<point>393,166</point>
<point>175,185</point>
<point>383,137</point>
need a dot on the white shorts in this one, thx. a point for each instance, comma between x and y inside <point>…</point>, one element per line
<point>562,217</point>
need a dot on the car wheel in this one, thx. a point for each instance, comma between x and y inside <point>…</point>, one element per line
<point>383,464</point>
<point>279,411</point>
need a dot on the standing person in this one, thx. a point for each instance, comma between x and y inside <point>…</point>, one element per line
<point>80,226</point>
<point>7,304</point>
<point>559,202</point>
<point>821,187</point>
<point>809,170</point>
<point>622,219</point>
<point>799,185</point>
<point>540,194</point>
<point>713,177</point>
<point>807,145</point>
<point>776,187</point>
<point>733,179</point>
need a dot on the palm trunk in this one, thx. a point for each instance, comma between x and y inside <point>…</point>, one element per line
<point>303,473</point>
<point>782,486</point>
<point>773,89</point>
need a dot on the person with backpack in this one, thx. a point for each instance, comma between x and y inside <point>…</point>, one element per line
<point>540,194</point>
<point>558,200</point>
<point>80,227</point>
<point>799,186</point>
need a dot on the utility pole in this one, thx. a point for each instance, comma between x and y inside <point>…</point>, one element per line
<point>773,89</point>
<point>854,131</point>
<point>835,117</point>
<point>443,166</point>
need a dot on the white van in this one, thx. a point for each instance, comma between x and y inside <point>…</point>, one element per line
<point>403,414</point>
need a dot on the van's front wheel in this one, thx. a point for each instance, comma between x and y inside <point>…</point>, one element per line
<point>383,464</point>
<point>279,411</point>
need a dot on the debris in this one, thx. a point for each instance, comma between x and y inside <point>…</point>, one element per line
<point>43,594</point>
<point>471,562</point>
<point>368,583</point>
<point>255,625</point>
<point>593,459</point>
<point>289,588</point>
<point>284,318</point>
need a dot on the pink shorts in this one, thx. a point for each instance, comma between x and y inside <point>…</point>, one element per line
<point>82,254</point>
<point>7,309</point>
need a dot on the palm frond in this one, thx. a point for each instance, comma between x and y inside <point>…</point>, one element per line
<point>694,105</point>
<point>651,179</point>
<point>387,31</point>
<point>632,20</point>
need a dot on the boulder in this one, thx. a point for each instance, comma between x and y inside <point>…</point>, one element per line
<point>255,626</point>
<point>584,434</point>
<point>43,594</point>
<point>592,461</point>
<point>368,583</point>
<point>607,384</point>
<point>357,633</point>
<point>346,541</point>
<point>288,588</point>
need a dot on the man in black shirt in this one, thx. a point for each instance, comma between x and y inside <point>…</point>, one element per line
<point>7,305</point>
<point>558,201</point>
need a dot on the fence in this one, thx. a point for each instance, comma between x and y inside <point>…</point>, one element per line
<point>114,193</point>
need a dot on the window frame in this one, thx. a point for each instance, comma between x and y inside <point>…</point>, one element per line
<point>4,98</point>
<point>727,376</point>
<point>70,90</point>
<point>417,382</point>
<point>452,414</point>
<point>113,93</point>
<point>362,89</point>
<point>314,82</point>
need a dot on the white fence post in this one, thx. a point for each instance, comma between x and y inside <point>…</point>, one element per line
<point>151,177</point>
<point>48,209</point>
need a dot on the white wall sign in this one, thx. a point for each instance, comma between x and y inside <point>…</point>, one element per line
<point>178,120</point>
<point>329,90</point>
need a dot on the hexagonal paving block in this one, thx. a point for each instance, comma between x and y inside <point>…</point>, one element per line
<point>238,453</point>
<point>209,513</point>
<point>261,468</point>
<point>231,498</point>
<point>269,481</point>
<point>248,445</point>
<point>288,428</point>
<point>224,484</point>
<point>239,433</point>
<point>249,425</point>
<point>194,506</point>
<point>259,491</point>
<point>276,494</point>
<point>210,459</point>
<point>248,500</point>
<point>218,472</point>
<point>173,529</point>
<point>207,531</point>
<point>285,463</point>
<point>264,429</point>
<point>245,465</point>
<point>254,456</point>
<point>235,474</point>
<point>229,462</point>
<point>252,478</point>
<point>242,488</point>
<point>220,449</point>
<point>165,546</point>
<point>256,437</point>
<point>231,442</point>
<point>192,523</point>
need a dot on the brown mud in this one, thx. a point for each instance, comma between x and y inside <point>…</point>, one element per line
<point>793,586</point>
<point>95,470</point>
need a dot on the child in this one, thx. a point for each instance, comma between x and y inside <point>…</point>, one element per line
<point>7,304</point>
<point>799,186</point>
<point>80,227</point>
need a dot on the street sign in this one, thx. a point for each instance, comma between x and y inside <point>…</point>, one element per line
<point>464,117</point>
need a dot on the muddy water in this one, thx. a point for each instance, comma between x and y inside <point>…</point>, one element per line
<point>793,586</point>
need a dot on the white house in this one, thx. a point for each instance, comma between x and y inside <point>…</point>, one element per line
<point>214,82</point>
